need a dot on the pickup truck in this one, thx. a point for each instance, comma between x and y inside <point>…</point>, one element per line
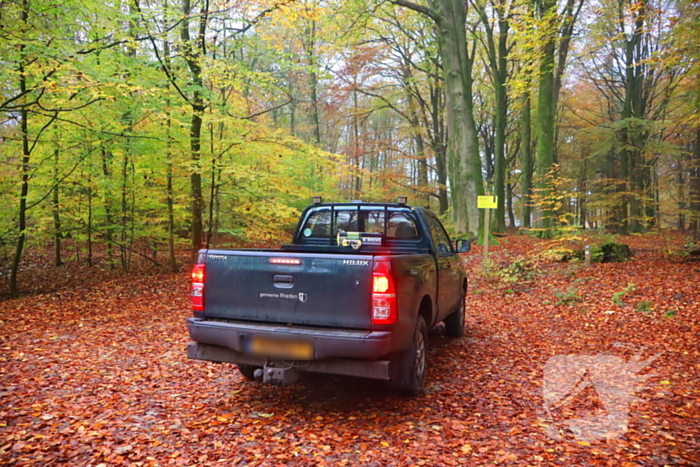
<point>354,294</point>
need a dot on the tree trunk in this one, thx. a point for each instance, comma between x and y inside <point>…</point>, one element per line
<point>89,220</point>
<point>124,218</point>
<point>694,185</point>
<point>441,163</point>
<point>170,195</point>
<point>313,78</point>
<point>24,188</point>
<point>557,30</point>
<point>213,189</point>
<point>55,207</point>
<point>525,162</point>
<point>171,217</point>
<point>680,194</point>
<point>197,206</point>
<point>497,51</point>
<point>357,180</point>
<point>631,134</point>
<point>463,158</point>
<point>439,146</point>
<point>107,194</point>
<point>511,213</point>
<point>421,159</point>
<point>582,195</point>
<point>193,56</point>
<point>545,132</point>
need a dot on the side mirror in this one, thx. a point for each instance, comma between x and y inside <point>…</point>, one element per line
<point>463,246</point>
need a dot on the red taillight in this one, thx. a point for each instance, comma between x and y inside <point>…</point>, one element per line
<point>198,273</point>
<point>197,289</point>
<point>383,294</point>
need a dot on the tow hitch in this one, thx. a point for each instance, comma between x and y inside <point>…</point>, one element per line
<point>281,376</point>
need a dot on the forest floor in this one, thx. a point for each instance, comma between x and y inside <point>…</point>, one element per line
<point>94,373</point>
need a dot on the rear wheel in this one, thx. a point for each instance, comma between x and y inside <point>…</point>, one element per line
<point>248,371</point>
<point>454,323</point>
<point>412,363</point>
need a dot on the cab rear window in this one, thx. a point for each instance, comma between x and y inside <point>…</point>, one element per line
<point>327,223</point>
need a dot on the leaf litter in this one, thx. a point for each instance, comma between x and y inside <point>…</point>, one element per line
<point>98,375</point>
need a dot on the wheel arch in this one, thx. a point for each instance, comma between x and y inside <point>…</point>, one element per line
<point>426,310</point>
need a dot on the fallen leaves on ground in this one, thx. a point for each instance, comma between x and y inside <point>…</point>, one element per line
<point>97,375</point>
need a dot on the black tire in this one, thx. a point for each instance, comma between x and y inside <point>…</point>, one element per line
<point>248,371</point>
<point>454,323</point>
<point>412,364</point>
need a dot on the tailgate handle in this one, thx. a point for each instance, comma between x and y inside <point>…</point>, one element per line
<point>284,281</point>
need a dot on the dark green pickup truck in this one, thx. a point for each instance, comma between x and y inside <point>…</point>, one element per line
<point>354,294</point>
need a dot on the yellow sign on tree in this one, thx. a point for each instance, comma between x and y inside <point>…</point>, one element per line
<point>487,202</point>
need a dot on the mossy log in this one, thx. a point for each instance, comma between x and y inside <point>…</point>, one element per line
<point>607,253</point>
<point>616,252</point>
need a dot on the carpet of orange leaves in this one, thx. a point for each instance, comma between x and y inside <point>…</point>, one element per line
<point>93,372</point>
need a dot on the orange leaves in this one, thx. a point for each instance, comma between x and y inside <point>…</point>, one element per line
<point>81,385</point>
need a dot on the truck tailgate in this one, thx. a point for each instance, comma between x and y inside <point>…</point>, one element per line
<point>322,290</point>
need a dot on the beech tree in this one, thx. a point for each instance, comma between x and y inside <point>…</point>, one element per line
<point>495,21</point>
<point>464,159</point>
<point>554,32</point>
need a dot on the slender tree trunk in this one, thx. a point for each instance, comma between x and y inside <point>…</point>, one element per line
<point>125,245</point>
<point>441,165</point>
<point>439,147</point>
<point>55,207</point>
<point>171,216</point>
<point>123,229</point>
<point>109,218</point>
<point>24,187</point>
<point>292,113</point>
<point>509,198</point>
<point>89,220</point>
<point>196,185</point>
<point>170,196</point>
<point>132,227</point>
<point>213,189</point>
<point>680,194</point>
<point>694,184</point>
<point>583,195</point>
<point>357,184</point>
<point>193,56</point>
<point>498,56</point>
<point>654,209</point>
<point>526,161</point>
<point>313,79</point>
<point>421,160</point>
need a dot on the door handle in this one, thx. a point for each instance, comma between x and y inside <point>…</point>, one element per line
<point>283,281</point>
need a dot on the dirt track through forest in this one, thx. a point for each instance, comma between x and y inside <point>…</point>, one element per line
<point>97,375</point>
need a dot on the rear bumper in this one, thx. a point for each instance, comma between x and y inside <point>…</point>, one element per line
<point>327,343</point>
<point>376,369</point>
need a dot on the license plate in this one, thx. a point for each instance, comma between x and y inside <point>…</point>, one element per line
<point>278,348</point>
